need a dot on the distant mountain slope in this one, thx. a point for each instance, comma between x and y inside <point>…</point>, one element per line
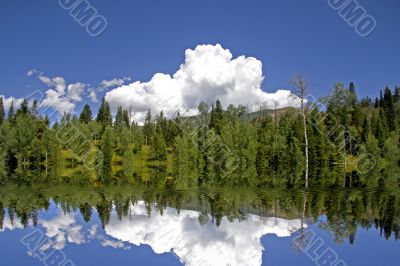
<point>194,120</point>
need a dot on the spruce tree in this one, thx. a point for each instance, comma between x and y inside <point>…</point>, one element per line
<point>376,105</point>
<point>217,117</point>
<point>11,113</point>
<point>396,96</point>
<point>100,113</point>
<point>34,109</point>
<point>365,130</point>
<point>352,88</point>
<point>161,125</point>
<point>2,114</point>
<point>388,107</point>
<point>86,115</point>
<point>380,127</point>
<point>104,116</point>
<point>24,108</point>
<point>107,115</point>
<point>148,129</point>
<point>119,118</point>
<point>125,118</point>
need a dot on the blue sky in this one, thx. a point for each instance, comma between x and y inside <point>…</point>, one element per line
<point>150,36</point>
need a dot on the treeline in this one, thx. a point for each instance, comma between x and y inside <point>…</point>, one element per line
<point>351,142</point>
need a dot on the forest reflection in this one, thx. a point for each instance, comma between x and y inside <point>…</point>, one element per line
<point>345,211</point>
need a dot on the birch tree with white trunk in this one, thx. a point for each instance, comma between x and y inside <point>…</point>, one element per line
<point>301,87</point>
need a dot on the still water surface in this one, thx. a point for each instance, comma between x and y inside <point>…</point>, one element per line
<point>126,226</point>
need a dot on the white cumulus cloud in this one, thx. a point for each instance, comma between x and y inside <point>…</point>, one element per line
<point>209,72</point>
<point>232,243</point>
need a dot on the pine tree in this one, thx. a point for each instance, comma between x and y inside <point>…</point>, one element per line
<point>396,96</point>
<point>365,130</point>
<point>2,113</point>
<point>352,88</point>
<point>148,129</point>
<point>217,117</point>
<point>119,118</point>
<point>356,114</point>
<point>161,125</point>
<point>34,109</point>
<point>86,115</point>
<point>380,99</point>
<point>23,109</point>
<point>388,107</point>
<point>376,105</point>
<point>100,113</point>
<point>104,116</point>
<point>380,127</point>
<point>125,118</point>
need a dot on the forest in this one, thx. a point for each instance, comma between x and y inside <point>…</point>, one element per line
<point>336,141</point>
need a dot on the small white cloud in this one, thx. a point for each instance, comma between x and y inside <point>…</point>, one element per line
<point>32,72</point>
<point>92,231</point>
<point>105,84</point>
<point>112,243</point>
<point>61,229</point>
<point>61,97</point>
<point>75,91</point>
<point>93,96</point>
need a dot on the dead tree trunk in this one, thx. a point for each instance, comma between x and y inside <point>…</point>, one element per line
<point>301,88</point>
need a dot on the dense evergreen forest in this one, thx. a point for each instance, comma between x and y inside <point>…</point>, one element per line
<point>350,142</point>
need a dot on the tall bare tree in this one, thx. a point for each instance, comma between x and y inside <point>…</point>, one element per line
<point>301,87</point>
<point>275,103</point>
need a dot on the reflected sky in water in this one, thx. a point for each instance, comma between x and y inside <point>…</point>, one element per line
<point>187,236</point>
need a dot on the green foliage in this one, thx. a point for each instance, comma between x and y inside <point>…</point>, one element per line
<point>392,157</point>
<point>11,112</point>
<point>240,138</point>
<point>148,129</point>
<point>227,147</point>
<point>217,118</point>
<point>2,111</point>
<point>105,175</point>
<point>388,107</point>
<point>185,161</point>
<point>104,116</point>
<point>371,151</point>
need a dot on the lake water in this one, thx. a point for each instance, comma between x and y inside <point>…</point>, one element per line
<point>66,225</point>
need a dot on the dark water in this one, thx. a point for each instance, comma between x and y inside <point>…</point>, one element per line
<point>65,225</point>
